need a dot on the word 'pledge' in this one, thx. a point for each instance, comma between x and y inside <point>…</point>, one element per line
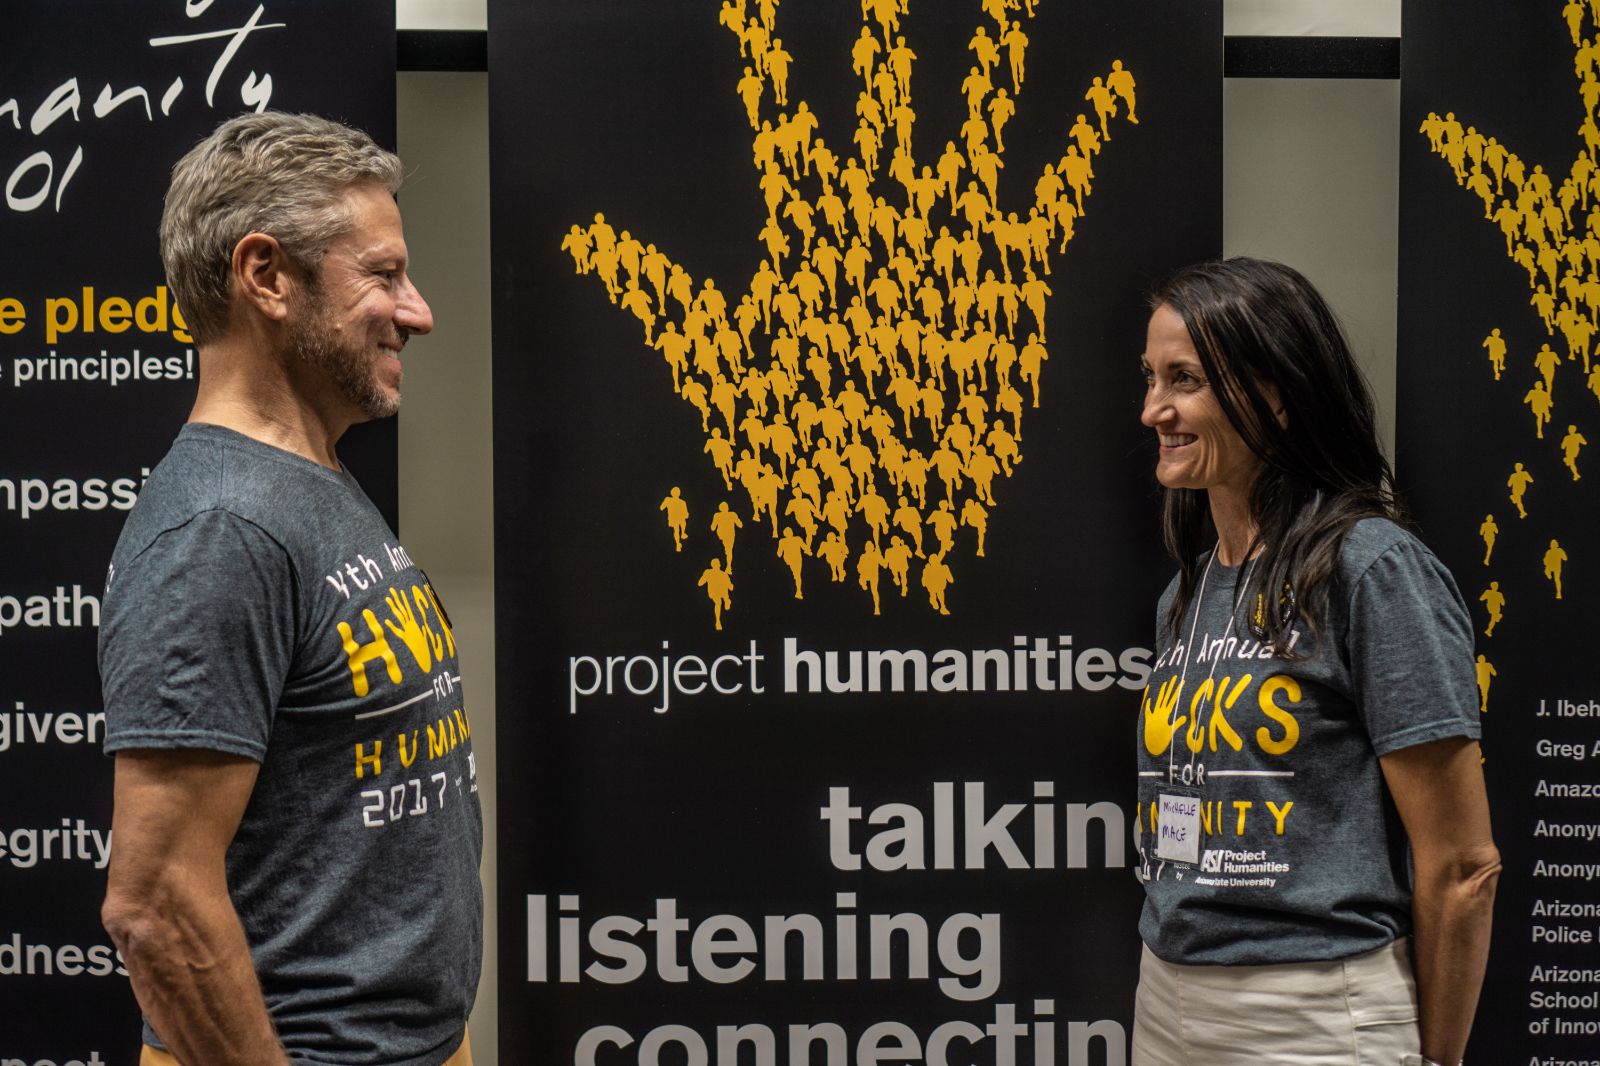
<point>89,313</point>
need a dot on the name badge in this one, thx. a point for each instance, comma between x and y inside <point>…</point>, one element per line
<point>1178,827</point>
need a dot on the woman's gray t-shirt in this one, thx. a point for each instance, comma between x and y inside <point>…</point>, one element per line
<point>1302,854</point>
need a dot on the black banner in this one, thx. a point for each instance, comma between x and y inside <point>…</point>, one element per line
<point>825,573</point>
<point>98,98</point>
<point>1499,399</point>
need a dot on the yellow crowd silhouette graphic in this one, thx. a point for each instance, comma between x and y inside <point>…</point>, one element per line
<point>1551,224</point>
<point>863,394</point>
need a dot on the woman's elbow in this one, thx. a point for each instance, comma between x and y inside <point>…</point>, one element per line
<point>1480,869</point>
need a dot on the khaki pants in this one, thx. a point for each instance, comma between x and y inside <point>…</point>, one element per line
<point>150,1056</point>
<point>1360,1011</point>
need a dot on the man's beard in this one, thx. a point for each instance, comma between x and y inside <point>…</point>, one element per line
<point>351,367</point>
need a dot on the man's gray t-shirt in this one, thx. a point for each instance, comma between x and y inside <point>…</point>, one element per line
<point>258,604</point>
<point>1302,853</point>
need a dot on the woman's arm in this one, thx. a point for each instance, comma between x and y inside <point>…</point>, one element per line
<point>1438,789</point>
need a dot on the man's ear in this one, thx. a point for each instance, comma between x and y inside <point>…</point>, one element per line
<point>264,275</point>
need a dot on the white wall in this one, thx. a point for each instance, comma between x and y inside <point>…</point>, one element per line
<point>1311,177</point>
<point>1287,18</point>
<point>446,446</point>
<point>1314,18</point>
<point>442,14</point>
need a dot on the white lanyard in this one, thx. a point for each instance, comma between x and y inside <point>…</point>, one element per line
<point>1188,653</point>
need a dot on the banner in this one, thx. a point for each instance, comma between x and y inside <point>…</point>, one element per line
<point>1499,398</point>
<point>97,372</point>
<point>826,533</point>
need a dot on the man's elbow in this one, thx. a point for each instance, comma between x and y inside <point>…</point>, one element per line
<point>125,917</point>
<point>135,917</point>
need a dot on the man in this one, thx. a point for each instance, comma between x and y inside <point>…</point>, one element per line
<point>294,868</point>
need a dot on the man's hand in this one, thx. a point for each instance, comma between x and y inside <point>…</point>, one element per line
<point>167,906</point>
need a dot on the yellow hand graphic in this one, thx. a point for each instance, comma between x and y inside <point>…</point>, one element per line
<point>1159,724</point>
<point>836,381</point>
<point>1552,233</point>
<point>405,626</point>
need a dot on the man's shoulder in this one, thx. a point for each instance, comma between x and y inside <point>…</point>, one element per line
<point>210,470</point>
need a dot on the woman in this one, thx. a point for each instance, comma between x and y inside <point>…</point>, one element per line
<point>1311,721</point>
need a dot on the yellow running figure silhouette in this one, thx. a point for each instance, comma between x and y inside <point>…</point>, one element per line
<point>897,558</point>
<point>834,551</point>
<point>983,49</point>
<point>576,243</point>
<point>1538,401</point>
<point>719,588</point>
<point>721,451</point>
<point>1518,483</point>
<point>973,514</point>
<point>778,61</point>
<point>1496,347</point>
<point>1120,81</point>
<point>1554,557</point>
<point>834,398</point>
<point>943,523</point>
<point>1104,103</point>
<point>792,550</point>
<point>936,577</point>
<point>677,516</point>
<point>1545,361</point>
<point>1016,44</point>
<point>1495,602</point>
<point>1486,673</point>
<point>869,565</point>
<point>1571,444</point>
<point>725,524</point>
<point>1489,530</point>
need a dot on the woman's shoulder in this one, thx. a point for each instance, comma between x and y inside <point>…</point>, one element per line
<point>1377,546</point>
<point>1369,538</point>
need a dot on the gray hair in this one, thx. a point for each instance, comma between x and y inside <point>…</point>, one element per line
<point>273,173</point>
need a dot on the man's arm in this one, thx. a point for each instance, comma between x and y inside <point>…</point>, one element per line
<point>167,906</point>
<point>1438,789</point>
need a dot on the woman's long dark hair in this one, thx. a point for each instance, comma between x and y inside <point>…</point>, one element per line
<point>1260,328</point>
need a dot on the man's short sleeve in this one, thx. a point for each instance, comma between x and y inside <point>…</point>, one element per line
<point>198,636</point>
<point>1410,651</point>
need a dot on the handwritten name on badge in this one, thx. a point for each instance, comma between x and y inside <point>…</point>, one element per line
<point>1178,835</point>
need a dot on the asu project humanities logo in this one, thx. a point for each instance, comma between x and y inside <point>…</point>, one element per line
<point>866,389</point>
